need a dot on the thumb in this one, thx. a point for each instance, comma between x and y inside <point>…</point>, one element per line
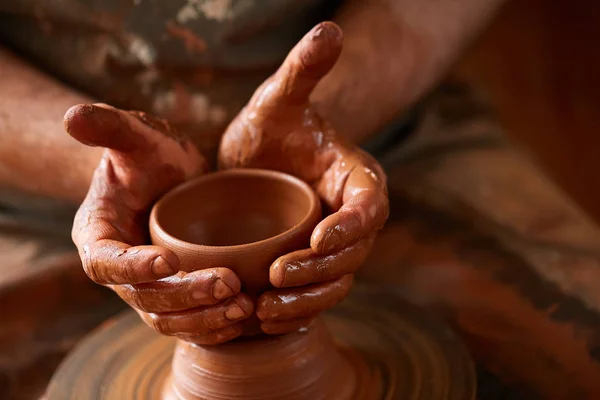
<point>309,61</point>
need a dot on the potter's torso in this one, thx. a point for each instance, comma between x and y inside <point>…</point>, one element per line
<point>195,62</point>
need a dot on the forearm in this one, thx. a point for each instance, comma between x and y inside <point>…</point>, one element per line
<point>395,51</point>
<point>36,155</point>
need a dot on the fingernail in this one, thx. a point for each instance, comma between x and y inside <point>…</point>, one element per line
<point>221,290</point>
<point>161,267</point>
<point>234,313</point>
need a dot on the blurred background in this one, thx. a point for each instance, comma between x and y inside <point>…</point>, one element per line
<point>494,225</point>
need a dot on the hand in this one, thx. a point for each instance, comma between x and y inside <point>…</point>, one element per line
<point>279,130</point>
<point>143,159</point>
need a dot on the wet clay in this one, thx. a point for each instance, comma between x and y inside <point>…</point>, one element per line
<point>296,366</point>
<point>209,223</point>
<point>395,351</point>
<point>278,131</point>
<point>240,219</point>
<point>245,220</point>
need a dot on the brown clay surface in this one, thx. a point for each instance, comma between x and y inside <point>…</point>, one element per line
<point>245,220</point>
<point>239,219</point>
<point>398,353</point>
<point>305,364</point>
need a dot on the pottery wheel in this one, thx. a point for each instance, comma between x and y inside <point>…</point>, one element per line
<point>400,354</point>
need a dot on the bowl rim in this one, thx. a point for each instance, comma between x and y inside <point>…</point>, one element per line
<point>310,219</point>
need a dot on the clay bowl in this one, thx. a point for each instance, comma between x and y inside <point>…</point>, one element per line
<point>242,219</point>
<point>372,346</point>
<point>245,220</point>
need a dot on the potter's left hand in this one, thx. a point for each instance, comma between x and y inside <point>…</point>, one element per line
<point>279,130</point>
<point>143,159</point>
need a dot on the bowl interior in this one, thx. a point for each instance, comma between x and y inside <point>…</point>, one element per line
<point>229,209</point>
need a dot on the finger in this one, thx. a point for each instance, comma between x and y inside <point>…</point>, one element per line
<point>100,231</point>
<point>216,337</point>
<point>124,131</point>
<point>200,288</point>
<point>100,125</point>
<point>362,215</point>
<point>304,267</point>
<point>286,304</point>
<point>111,262</point>
<point>310,60</point>
<point>283,327</point>
<point>201,320</point>
<point>355,186</point>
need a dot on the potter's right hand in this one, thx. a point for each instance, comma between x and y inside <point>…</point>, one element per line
<point>143,159</point>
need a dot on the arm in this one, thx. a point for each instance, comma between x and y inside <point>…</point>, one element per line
<point>395,51</point>
<point>410,44</point>
<point>36,155</point>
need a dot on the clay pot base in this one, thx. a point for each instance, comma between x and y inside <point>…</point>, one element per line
<point>395,350</point>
